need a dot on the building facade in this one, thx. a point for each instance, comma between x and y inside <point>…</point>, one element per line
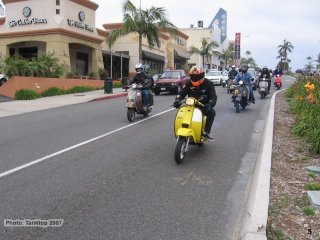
<point>65,28</point>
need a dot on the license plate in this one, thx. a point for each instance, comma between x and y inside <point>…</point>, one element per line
<point>163,88</point>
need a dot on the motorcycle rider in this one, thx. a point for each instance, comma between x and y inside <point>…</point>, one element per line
<point>140,78</point>
<point>232,73</point>
<point>265,73</point>
<point>246,77</point>
<point>149,83</point>
<point>277,71</point>
<point>201,89</point>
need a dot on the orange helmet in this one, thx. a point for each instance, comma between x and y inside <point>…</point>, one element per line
<point>196,75</point>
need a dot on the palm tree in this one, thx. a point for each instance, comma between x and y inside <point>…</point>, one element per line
<point>227,54</point>
<point>146,23</point>
<point>247,53</point>
<point>205,49</point>
<point>283,53</point>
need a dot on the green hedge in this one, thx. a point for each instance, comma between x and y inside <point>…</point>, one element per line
<point>304,98</point>
<point>27,94</point>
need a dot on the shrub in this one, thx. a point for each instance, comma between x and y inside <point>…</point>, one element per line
<point>79,89</point>
<point>45,65</point>
<point>312,186</point>
<point>116,84</point>
<point>26,94</point>
<point>304,97</point>
<point>53,91</point>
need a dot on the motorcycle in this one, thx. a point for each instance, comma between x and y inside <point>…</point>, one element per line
<point>240,96</point>
<point>263,86</point>
<point>134,102</point>
<point>188,127</point>
<point>278,81</point>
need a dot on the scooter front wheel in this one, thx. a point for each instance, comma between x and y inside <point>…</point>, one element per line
<point>180,151</point>
<point>130,114</point>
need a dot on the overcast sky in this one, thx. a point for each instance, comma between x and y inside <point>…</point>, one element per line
<point>265,23</point>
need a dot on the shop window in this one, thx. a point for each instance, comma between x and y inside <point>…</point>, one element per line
<point>57,11</point>
<point>12,51</point>
<point>58,2</point>
<point>28,52</point>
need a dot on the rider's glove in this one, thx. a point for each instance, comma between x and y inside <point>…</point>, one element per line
<point>176,103</point>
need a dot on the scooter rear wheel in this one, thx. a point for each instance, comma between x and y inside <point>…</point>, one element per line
<point>237,105</point>
<point>180,152</point>
<point>130,114</point>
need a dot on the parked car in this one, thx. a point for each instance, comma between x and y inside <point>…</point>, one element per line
<point>3,79</point>
<point>214,76</point>
<point>156,77</point>
<point>170,81</point>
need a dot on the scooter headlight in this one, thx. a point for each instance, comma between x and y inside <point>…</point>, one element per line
<point>241,82</point>
<point>190,101</point>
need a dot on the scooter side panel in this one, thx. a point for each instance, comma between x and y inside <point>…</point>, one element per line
<point>179,119</point>
<point>197,123</point>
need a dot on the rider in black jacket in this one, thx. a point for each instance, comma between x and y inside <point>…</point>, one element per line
<point>203,90</point>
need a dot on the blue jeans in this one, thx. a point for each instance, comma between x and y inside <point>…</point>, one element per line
<point>145,97</point>
<point>251,96</point>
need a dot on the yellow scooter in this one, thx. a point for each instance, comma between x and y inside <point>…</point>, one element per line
<point>188,127</point>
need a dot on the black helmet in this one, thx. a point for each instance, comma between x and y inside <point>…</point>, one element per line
<point>243,68</point>
<point>147,68</point>
<point>265,69</point>
<point>139,67</point>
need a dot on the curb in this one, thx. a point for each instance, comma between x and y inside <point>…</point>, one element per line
<point>110,97</point>
<point>256,213</point>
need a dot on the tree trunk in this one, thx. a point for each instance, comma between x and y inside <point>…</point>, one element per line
<point>140,48</point>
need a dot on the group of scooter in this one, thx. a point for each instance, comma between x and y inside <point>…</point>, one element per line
<point>240,97</point>
<point>189,120</point>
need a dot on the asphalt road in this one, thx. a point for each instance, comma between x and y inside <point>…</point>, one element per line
<point>125,184</point>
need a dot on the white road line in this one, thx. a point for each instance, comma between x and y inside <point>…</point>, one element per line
<point>78,145</point>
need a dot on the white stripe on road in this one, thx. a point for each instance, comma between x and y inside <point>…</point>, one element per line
<point>78,145</point>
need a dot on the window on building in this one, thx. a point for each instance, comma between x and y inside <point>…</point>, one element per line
<point>12,51</point>
<point>57,11</point>
<point>28,52</point>
<point>58,2</point>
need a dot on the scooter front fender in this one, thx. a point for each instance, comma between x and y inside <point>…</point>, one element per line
<point>186,132</point>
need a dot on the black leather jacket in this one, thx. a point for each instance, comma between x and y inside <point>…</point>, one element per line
<point>206,91</point>
<point>144,79</point>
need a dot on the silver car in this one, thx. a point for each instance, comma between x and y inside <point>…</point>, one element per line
<point>214,76</point>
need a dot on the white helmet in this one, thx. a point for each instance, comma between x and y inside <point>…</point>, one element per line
<point>139,67</point>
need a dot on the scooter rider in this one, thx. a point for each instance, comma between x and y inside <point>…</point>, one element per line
<point>140,78</point>
<point>149,82</point>
<point>203,89</point>
<point>233,72</point>
<point>278,71</point>
<point>266,73</point>
<point>246,77</point>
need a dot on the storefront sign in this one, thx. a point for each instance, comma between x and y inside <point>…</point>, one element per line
<point>27,21</point>
<point>79,25</point>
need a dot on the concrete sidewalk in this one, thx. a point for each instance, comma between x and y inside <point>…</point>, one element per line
<point>23,106</point>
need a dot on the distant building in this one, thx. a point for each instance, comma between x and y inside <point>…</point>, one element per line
<point>216,31</point>
<point>1,10</point>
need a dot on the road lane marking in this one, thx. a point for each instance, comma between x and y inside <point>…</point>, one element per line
<point>79,145</point>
